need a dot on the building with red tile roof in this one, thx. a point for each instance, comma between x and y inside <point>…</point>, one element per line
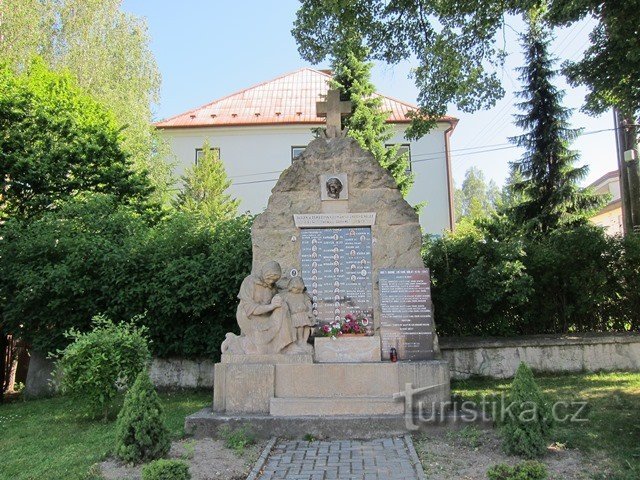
<point>259,130</point>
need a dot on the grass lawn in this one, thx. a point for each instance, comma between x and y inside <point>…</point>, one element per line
<point>52,439</point>
<point>613,412</point>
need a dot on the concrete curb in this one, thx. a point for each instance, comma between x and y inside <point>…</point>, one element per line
<point>414,458</point>
<point>257,468</point>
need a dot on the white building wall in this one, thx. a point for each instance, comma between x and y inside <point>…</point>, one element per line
<point>254,156</point>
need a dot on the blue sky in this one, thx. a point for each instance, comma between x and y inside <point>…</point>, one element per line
<point>208,49</point>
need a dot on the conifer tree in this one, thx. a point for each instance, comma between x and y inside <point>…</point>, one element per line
<point>204,187</point>
<point>549,189</point>
<point>528,418</point>
<point>367,122</point>
<point>141,434</point>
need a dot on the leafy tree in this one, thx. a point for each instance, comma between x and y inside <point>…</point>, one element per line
<point>204,187</point>
<point>459,46</point>
<point>477,198</point>
<point>610,66</point>
<point>100,362</point>
<point>108,53</point>
<point>56,142</point>
<point>452,42</point>
<point>141,433</point>
<point>368,122</point>
<point>551,195</point>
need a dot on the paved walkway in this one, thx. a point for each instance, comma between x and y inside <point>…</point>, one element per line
<point>379,459</point>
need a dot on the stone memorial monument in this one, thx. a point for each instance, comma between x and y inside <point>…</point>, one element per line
<point>336,238</point>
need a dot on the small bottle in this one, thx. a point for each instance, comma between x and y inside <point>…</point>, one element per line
<point>393,354</point>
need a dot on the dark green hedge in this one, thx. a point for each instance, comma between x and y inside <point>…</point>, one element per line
<point>96,256</point>
<point>573,280</point>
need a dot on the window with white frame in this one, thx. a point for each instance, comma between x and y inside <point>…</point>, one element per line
<point>200,152</point>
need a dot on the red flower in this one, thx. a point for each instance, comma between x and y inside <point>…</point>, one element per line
<point>348,316</point>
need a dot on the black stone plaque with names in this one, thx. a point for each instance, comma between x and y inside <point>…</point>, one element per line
<point>336,269</point>
<point>406,321</point>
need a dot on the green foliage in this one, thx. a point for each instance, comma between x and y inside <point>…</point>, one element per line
<point>459,47</point>
<point>549,183</point>
<point>99,363</point>
<point>56,142</point>
<point>367,123</point>
<point>452,43</point>
<point>489,282</point>
<point>528,419</point>
<point>237,439</point>
<point>479,285</point>
<point>166,470</point>
<point>476,199</point>
<point>97,256</point>
<point>204,187</point>
<point>107,52</point>
<point>141,434</point>
<point>610,64</point>
<point>527,470</point>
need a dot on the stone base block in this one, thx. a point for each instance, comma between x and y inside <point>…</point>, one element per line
<point>329,389</point>
<point>320,407</point>
<point>206,424</point>
<point>274,359</point>
<point>347,349</point>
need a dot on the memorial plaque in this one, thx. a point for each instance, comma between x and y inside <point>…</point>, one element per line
<point>406,321</point>
<point>336,268</point>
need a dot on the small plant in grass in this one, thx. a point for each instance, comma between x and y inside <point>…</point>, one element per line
<point>141,434</point>
<point>527,417</point>
<point>470,435</point>
<point>166,470</point>
<point>99,363</point>
<point>528,470</point>
<point>238,439</point>
<point>189,449</point>
<point>309,437</point>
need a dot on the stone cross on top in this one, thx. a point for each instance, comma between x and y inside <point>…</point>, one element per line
<point>334,110</point>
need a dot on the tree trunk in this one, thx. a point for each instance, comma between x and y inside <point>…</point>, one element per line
<point>4,345</point>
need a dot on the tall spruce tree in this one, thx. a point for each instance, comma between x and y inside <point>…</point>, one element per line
<point>548,181</point>
<point>204,187</point>
<point>367,122</point>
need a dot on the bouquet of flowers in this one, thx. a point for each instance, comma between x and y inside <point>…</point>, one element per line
<point>352,324</point>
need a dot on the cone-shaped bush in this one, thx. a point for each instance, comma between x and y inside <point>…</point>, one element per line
<point>527,417</point>
<point>141,434</point>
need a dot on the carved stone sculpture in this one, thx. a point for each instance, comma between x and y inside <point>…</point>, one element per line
<point>264,317</point>
<point>334,187</point>
<point>302,318</point>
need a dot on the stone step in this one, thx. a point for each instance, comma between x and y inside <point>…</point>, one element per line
<point>294,407</point>
<point>330,380</point>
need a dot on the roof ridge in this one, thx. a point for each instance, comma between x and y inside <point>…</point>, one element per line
<point>217,100</point>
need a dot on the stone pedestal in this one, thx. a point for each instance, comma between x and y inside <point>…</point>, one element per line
<point>345,349</point>
<point>302,388</point>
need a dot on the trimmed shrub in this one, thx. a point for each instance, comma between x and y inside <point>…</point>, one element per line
<point>527,418</point>
<point>528,470</point>
<point>141,434</point>
<point>490,282</point>
<point>99,363</point>
<point>166,470</point>
<point>96,256</point>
